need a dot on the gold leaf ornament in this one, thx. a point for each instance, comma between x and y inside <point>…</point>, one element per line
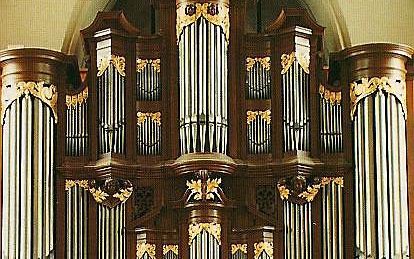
<point>366,87</point>
<point>117,61</point>
<point>143,248</point>
<point>261,247</point>
<point>168,248</point>
<point>195,229</point>
<point>220,17</point>
<point>238,247</point>
<point>46,93</point>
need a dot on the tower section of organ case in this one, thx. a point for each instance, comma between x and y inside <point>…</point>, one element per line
<point>33,87</point>
<point>378,113</point>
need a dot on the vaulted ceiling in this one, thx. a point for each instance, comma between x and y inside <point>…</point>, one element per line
<point>55,24</point>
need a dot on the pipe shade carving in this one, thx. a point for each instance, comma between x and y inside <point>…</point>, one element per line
<point>217,14</point>
<point>204,189</point>
<point>238,247</point>
<point>258,78</point>
<point>261,248</point>
<point>287,61</point>
<point>77,132</point>
<point>300,189</point>
<point>170,248</point>
<point>365,87</point>
<point>145,249</point>
<point>148,77</point>
<point>110,192</point>
<point>117,61</point>
<point>195,229</point>
<point>46,93</point>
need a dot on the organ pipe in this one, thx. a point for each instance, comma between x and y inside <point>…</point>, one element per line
<point>202,33</point>
<point>297,230</point>
<point>204,240</point>
<point>332,220</point>
<point>111,232</point>
<point>259,132</point>
<point>258,78</point>
<point>77,124</point>
<point>76,219</point>
<point>111,104</point>
<point>238,251</point>
<point>170,251</point>
<point>263,250</point>
<point>149,133</point>
<point>378,110</point>
<point>29,116</point>
<point>295,93</point>
<point>330,108</point>
<point>148,80</point>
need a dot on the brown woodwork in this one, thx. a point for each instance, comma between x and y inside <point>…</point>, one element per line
<point>241,221</point>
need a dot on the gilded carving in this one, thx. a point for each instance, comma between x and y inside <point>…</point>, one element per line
<point>331,96</point>
<point>238,247</point>
<point>155,117</point>
<point>216,13</point>
<point>143,248</point>
<point>117,61</point>
<point>213,229</point>
<point>305,189</point>
<point>261,247</point>
<point>46,93</point>
<point>168,248</point>
<point>288,59</point>
<point>265,62</point>
<point>364,88</point>
<point>197,190</point>
<point>72,183</point>
<point>77,99</point>
<point>142,63</point>
<point>110,192</point>
<point>264,115</point>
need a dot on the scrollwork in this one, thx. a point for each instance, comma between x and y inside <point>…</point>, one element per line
<point>110,192</point>
<point>216,13</point>
<point>155,117</point>
<point>238,247</point>
<point>77,99</point>
<point>46,93</point>
<point>117,61</point>
<point>200,189</point>
<point>265,115</point>
<point>365,87</point>
<point>142,63</point>
<point>331,96</point>
<point>168,248</point>
<point>261,247</point>
<point>213,229</point>
<point>265,62</point>
<point>288,59</point>
<point>143,248</point>
<point>302,189</point>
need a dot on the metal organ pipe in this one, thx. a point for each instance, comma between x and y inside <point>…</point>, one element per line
<point>295,93</point>
<point>204,240</point>
<point>381,168</point>
<point>28,134</point>
<point>330,120</point>
<point>297,230</point>
<point>76,124</point>
<point>111,235</point>
<point>111,104</point>
<point>202,33</point>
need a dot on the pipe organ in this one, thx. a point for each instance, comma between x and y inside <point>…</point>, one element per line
<point>232,144</point>
<point>203,38</point>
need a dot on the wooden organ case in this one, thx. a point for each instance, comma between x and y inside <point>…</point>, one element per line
<point>204,141</point>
